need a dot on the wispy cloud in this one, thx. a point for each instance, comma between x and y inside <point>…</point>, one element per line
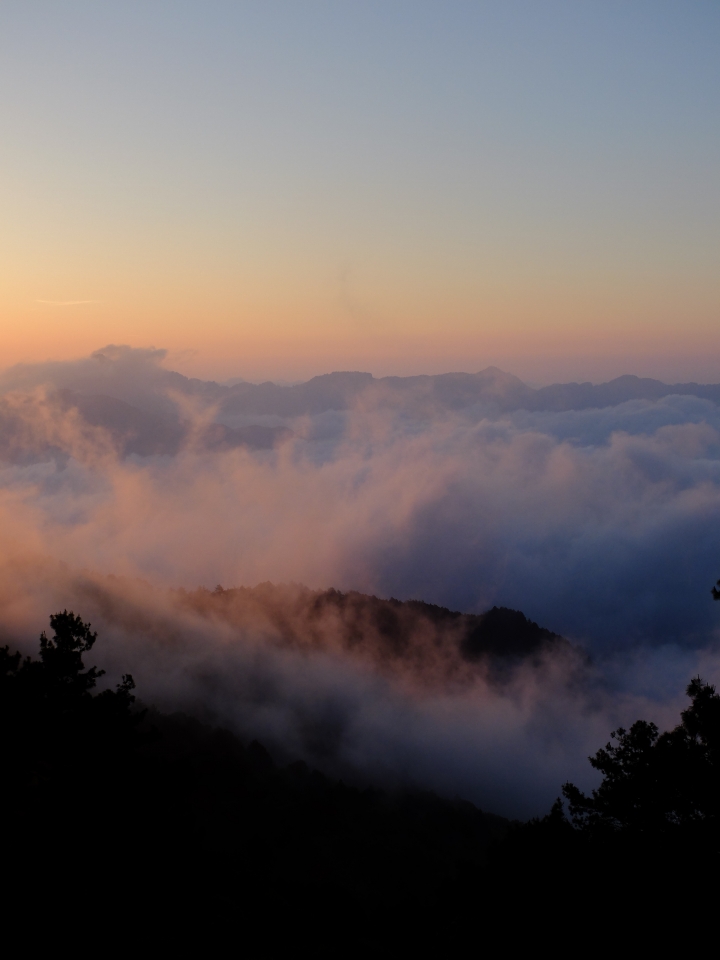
<point>66,303</point>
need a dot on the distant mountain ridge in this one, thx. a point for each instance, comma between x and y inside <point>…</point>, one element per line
<point>146,410</point>
<point>454,391</point>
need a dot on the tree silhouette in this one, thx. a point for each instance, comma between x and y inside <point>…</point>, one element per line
<point>658,784</point>
<point>55,728</point>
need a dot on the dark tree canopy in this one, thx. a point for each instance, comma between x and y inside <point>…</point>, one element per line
<point>141,811</point>
<point>638,852</point>
<point>54,727</point>
<point>138,812</point>
<point>663,784</point>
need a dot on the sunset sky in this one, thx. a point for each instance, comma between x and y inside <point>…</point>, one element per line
<point>279,189</point>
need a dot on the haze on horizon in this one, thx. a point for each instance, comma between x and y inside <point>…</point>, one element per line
<point>279,190</point>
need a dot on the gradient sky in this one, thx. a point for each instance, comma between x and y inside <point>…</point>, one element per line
<point>278,189</point>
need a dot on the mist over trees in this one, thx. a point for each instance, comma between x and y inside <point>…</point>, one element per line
<point>169,815</point>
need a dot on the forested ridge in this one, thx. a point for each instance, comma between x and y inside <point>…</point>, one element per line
<point>432,644</point>
<point>141,814</point>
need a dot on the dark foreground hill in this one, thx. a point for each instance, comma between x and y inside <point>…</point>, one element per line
<point>136,813</point>
<point>169,831</point>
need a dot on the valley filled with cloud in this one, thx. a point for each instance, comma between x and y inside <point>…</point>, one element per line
<point>129,492</point>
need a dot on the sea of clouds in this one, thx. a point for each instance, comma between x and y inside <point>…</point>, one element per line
<point>600,524</point>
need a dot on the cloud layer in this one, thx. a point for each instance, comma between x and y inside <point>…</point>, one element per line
<point>600,524</point>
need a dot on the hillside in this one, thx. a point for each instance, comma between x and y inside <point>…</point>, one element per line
<point>423,641</point>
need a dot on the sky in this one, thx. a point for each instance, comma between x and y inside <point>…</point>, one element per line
<point>280,189</point>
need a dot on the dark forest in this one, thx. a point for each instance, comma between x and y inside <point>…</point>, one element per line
<point>160,820</point>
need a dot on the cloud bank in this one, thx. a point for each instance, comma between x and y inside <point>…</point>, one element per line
<point>599,523</point>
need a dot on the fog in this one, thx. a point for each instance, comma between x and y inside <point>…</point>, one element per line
<point>121,482</point>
